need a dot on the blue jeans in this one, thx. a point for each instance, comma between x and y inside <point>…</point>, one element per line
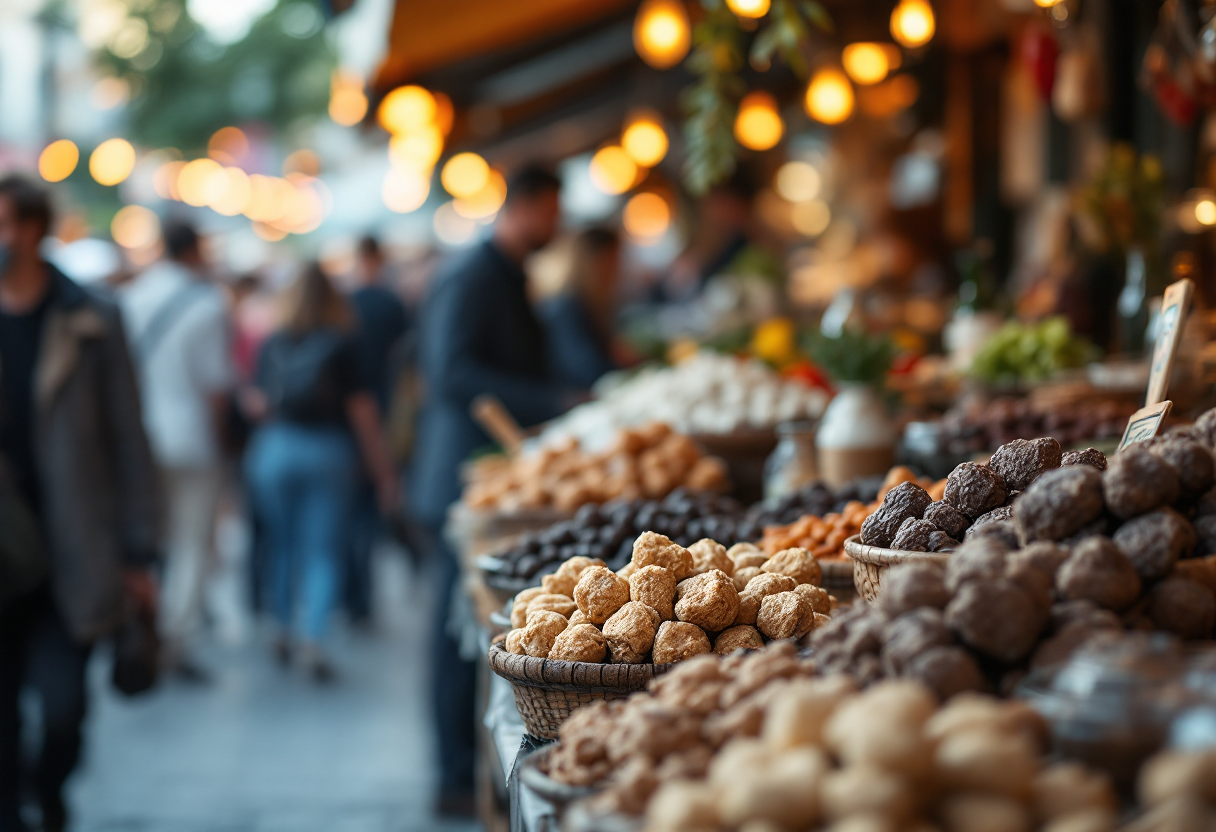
<point>303,480</point>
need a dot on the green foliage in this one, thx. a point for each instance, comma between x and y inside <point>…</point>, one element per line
<point>853,356</point>
<point>717,62</point>
<point>185,87</point>
<point>1030,352</point>
<point>1126,200</point>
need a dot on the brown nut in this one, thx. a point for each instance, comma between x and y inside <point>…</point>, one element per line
<point>739,637</point>
<point>543,628</point>
<point>784,615</point>
<point>676,641</point>
<point>709,554</point>
<point>816,596</point>
<point>579,643</point>
<point>798,564</point>
<point>599,593</point>
<point>743,574</point>
<point>655,587</point>
<point>562,604</point>
<point>710,601</point>
<point>630,633</point>
<point>515,642</point>
<point>757,589</point>
<point>652,549</point>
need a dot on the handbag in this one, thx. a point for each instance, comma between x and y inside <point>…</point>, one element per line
<point>136,665</point>
<point>24,563</point>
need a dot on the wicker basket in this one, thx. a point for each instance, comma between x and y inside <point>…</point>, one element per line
<point>546,692</point>
<point>870,563</point>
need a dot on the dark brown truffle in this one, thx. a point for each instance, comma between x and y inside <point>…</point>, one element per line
<point>1138,481</point>
<point>1097,571</point>
<point>974,489</point>
<point>913,535</point>
<point>1090,456</point>
<point>1205,426</point>
<point>1182,607</point>
<point>1021,461</point>
<point>975,560</point>
<point>911,634</point>
<point>942,542</point>
<point>946,671</point>
<point>1044,556</point>
<point>1190,460</point>
<point>903,501</point>
<point>912,585</point>
<point>1059,503</point>
<point>1003,531</point>
<point>997,618</point>
<point>1154,542</point>
<point>947,518</point>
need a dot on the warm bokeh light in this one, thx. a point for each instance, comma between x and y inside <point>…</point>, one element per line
<point>1205,212</point>
<point>829,96</point>
<point>866,63</point>
<point>165,180</point>
<point>305,210</point>
<point>110,92</point>
<point>445,112</point>
<point>1046,4</point>
<point>797,182</point>
<point>347,101</point>
<point>912,23</point>
<point>405,109</point>
<point>749,8</point>
<point>486,202</point>
<point>112,161</point>
<point>236,193</point>
<point>646,216</point>
<point>58,160</point>
<point>405,190</point>
<point>228,145</point>
<point>645,140</point>
<point>464,175</point>
<point>758,126</point>
<point>419,149</point>
<point>890,97</point>
<point>268,232</point>
<point>811,218</point>
<point>135,227</point>
<point>302,161</point>
<point>661,33</point>
<point>202,182</point>
<point>451,228</point>
<point>269,198</point>
<point>613,170</point>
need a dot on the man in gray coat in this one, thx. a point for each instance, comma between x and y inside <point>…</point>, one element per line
<point>73,449</point>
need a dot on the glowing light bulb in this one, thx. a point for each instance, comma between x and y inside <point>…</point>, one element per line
<point>758,125</point>
<point>613,170</point>
<point>135,227</point>
<point>647,216</point>
<point>912,23</point>
<point>347,101</point>
<point>58,160</point>
<point>202,182</point>
<point>464,174</point>
<point>112,161</point>
<point>866,63</point>
<point>829,96</point>
<point>645,140</point>
<point>797,182</point>
<point>1205,212</point>
<point>406,108</point>
<point>484,203</point>
<point>661,33</point>
<point>749,8</point>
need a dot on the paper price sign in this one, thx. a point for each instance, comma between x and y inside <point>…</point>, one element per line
<point>1145,423</point>
<point>1173,315</point>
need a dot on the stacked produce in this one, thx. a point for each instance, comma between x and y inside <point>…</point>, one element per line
<point>825,535</point>
<point>1086,548</point>
<point>708,393</point>
<point>752,742</point>
<point>983,426</point>
<point>1030,352</point>
<point>649,461</point>
<point>669,604</point>
<point>607,531</point>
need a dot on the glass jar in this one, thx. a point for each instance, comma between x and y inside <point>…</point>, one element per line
<point>792,464</point>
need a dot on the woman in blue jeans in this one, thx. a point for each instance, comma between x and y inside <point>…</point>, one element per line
<point>320,418</point>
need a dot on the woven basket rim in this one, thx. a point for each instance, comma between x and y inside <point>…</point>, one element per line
<point>588,677</point>
<point>864,553</point>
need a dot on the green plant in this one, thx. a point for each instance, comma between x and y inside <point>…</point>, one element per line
<point>853,356</point>
<point>1030,352</point>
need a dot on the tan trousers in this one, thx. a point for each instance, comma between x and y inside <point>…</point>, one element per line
<point>193,495</point>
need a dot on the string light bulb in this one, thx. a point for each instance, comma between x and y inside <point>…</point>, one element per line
<point>112,161</point>
<point>646,216</point>
<point>749,8</point>
<point>406,108</point>
<point>1205,212</point>
<point>829,96</point>
<point>613,170</point>
<point>645,140</point>
<point>662,34</point>
<point>58,160</point>
<point>866,63</point>
<point>464,175</point>
<point>758,125</point>
<point>912,23</point>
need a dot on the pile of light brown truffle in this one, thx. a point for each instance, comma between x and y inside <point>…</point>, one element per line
<point>669,604</point>
<point>752,742</point>
<point>1085,548</point>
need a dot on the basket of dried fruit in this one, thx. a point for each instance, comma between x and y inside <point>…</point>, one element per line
<point>870,563</point>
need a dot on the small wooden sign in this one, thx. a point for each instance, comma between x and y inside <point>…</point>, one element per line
<point>1174,306</point>
<point>1145,423</point>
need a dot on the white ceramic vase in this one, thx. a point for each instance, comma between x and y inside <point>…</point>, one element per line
<point>856,437</point>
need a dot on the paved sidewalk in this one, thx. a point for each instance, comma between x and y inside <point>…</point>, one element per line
<point>263,749</point>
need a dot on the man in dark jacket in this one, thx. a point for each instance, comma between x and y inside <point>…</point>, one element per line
<point>478,335</point>
<point>73,451</point>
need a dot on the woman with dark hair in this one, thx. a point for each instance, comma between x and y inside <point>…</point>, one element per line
<point>579,320</point>
<point>320,417</point>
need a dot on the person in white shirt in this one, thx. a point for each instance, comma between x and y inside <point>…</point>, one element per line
<point>180,335</point>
